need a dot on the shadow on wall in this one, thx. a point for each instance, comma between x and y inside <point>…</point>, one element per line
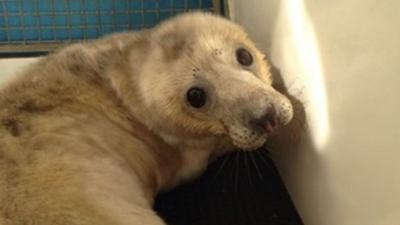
<point>301,145</point>
<point>283,29</point>
<point>294,146</point>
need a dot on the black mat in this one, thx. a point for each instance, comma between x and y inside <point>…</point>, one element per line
<point>238,189</point>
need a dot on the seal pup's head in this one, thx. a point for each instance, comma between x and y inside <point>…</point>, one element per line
<point>207,78</point>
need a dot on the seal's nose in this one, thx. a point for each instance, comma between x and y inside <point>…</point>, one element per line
<point>268,122</point>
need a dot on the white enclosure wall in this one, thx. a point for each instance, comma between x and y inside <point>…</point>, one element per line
<point>10,67</point>
<point>342,60</point>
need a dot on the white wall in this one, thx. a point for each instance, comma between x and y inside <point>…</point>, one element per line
<point>10,67</point>
<point>342,60</point>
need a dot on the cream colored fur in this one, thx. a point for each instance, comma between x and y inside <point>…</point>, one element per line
<point>89,134</point>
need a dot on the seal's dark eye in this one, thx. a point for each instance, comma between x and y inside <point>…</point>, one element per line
<point>244,57</point>
<point>196,97</point>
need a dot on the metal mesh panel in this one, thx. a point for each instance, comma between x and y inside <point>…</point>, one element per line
<point>58,21</point>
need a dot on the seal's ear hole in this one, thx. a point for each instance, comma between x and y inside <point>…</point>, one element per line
<point>196,97</point>
<point>244,57</point>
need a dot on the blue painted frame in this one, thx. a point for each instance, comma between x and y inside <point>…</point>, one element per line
<point>53,21</point>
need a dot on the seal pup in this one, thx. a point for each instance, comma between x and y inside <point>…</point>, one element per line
<point>90,133</point>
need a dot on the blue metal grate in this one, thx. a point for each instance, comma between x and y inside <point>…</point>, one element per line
<point>55,21</point>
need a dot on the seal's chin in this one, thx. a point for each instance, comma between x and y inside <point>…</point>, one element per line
<point>247,139</point>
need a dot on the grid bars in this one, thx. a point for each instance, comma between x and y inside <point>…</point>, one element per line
<point>25,22</point>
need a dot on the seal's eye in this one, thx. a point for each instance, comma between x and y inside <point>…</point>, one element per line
<point>244,57</point>
<point>196,97</point>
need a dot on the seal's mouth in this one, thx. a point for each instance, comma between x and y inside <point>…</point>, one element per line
<point>247,138</point>
<point>253,134</point>
<point>250,128</point>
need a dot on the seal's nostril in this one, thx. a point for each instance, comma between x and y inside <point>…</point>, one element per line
<point>268,122</point>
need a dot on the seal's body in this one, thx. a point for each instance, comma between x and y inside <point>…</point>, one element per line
<point>89,134</point>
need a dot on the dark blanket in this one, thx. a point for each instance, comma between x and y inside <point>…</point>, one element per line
<point>238,189</point>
